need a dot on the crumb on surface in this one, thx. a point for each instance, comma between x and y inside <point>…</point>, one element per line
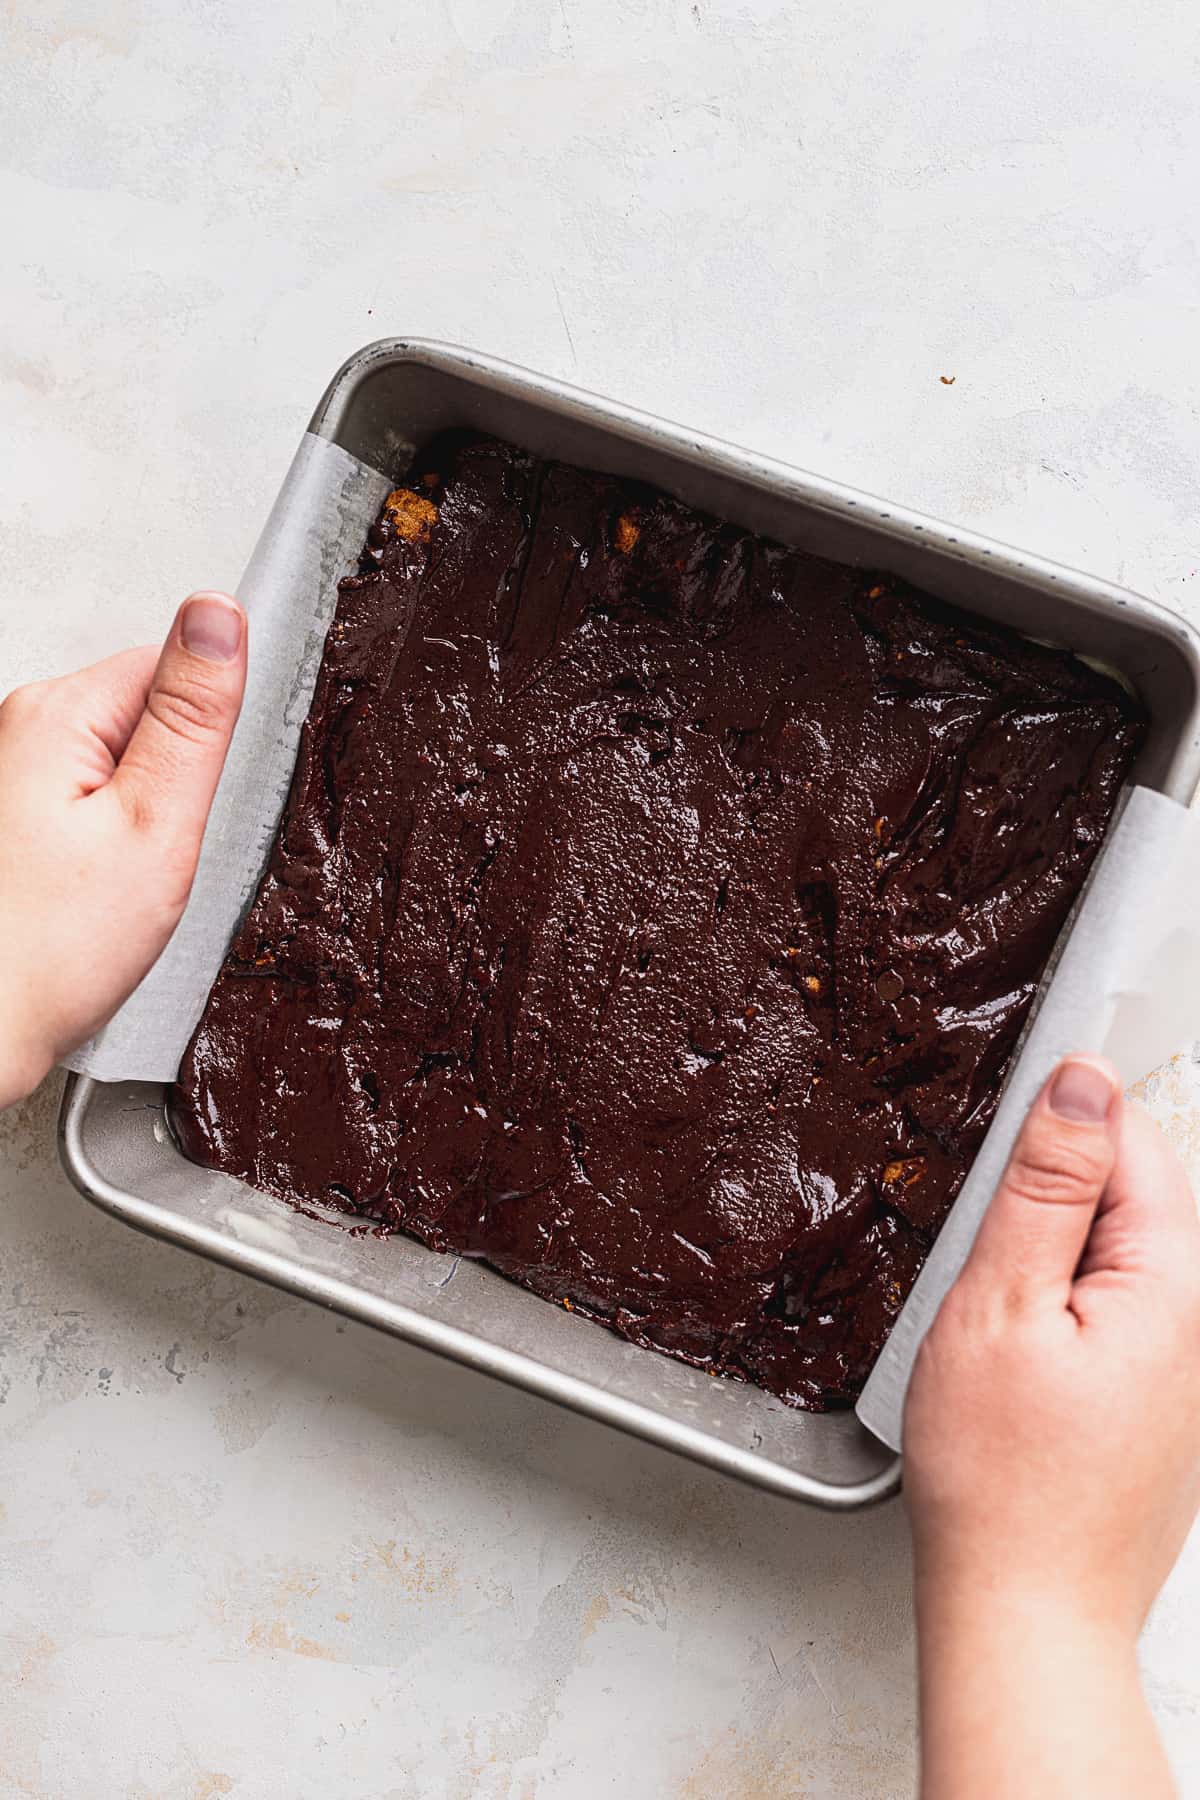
<point>906,1170</point>
<point>410,514</point>
<point>627,533</point>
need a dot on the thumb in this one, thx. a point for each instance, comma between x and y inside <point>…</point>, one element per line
<point>1035,1230</point>
<point>170,767</point>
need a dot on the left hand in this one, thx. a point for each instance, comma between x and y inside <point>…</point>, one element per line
<point>106,778</point>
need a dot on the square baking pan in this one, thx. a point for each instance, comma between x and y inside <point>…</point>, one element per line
<point>115,1143</point>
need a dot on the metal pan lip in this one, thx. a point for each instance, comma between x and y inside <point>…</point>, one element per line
<point>810,491</point>
<point>465,1347</point>
<point>852,506</point>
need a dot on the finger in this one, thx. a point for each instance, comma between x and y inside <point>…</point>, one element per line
<point>109,698</point>
<point>1147,1214</point>
<point>169,771</point>
<point>65,736</point>
<point>1034,1232</point>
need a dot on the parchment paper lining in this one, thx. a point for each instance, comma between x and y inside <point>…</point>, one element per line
<point>312,537</point>
<point>1127,982</point>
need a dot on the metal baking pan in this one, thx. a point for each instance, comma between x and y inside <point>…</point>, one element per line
<point>114,1139</point>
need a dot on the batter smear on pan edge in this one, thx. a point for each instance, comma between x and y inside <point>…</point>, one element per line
<point>653,915</point>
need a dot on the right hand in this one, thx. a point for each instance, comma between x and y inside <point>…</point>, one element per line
<point>1053,1426</point>
<point>1052,1444</point>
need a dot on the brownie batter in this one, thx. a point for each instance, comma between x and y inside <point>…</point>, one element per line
<point>654,913</point>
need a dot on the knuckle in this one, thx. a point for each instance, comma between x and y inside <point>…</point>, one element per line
<point>947,1373</point>
<point>951,1338</point>
<point>137,803</point>
<point>165,847</point>
<point>186,709</point>
<point>1054,1174</point>
<point>174,868</point>
<point>23,703</point>
<point>955,1317</point>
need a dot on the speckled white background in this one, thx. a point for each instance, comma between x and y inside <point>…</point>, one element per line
<point>245,1550</point>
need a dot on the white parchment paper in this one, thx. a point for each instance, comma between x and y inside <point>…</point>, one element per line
<point>313,537</point>
<point>1127,983</point>
<point>1127,986</point>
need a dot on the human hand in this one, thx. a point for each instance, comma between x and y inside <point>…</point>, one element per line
<point>106,778</point>
<point>1052,1442</point>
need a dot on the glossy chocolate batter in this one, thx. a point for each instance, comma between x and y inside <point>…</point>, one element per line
<point>654,913</point>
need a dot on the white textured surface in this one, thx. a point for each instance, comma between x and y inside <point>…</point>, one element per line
<point>245,1550</point>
